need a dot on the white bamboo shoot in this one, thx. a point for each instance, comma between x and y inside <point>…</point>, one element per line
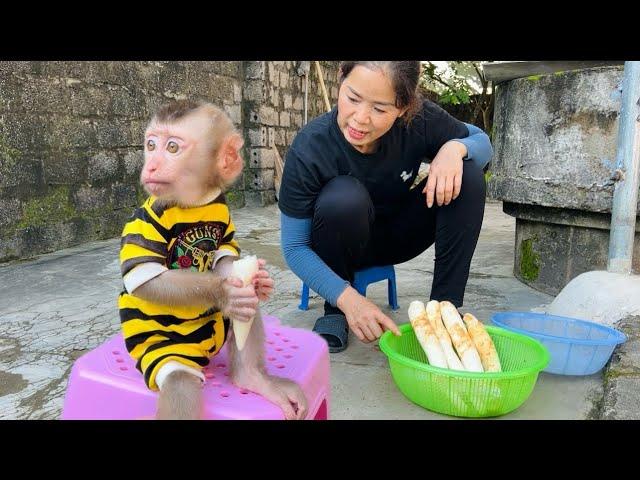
<point>460,337</point>
<point>243,269</point>
<point>433,314</point>
<point>425,335</point>
<point>483,343</point>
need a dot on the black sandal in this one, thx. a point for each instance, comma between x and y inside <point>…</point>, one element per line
<point>335,330</point>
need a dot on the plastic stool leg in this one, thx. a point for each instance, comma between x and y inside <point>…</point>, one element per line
<point>360,286</point>
<point>304,298</point>
<point>393,293</point>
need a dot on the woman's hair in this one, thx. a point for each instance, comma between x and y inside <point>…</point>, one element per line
<point>404,78</point>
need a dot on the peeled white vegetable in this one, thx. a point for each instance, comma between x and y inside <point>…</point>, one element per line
<point>460,338</point>
<point>425,335</point>
<point>433,314</point>
<point>484,344</point>
<point>243,269</point>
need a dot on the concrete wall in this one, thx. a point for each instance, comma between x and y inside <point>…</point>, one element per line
<point>555,139</point>
<point>71,138</point>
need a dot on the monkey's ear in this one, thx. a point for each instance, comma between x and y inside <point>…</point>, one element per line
<point>230,159</point>
<point>234,142</point>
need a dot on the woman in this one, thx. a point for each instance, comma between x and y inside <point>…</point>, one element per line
<point>346,202</point>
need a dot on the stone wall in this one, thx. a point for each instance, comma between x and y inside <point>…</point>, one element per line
<point>274,112</point>
<point>71,138</point>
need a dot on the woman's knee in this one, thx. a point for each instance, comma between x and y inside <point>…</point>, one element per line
<point>473,182</point>
<point>343,198</point>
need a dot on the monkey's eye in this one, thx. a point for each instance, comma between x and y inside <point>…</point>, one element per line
<point>151,145</point>
<point>172,147</point>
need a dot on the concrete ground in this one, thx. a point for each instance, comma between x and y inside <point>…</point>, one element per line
<point>60,305</point>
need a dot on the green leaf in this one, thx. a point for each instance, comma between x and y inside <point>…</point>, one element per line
<point>180,251</point>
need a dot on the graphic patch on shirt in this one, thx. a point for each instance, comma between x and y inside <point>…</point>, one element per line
<point>406,176</point>
<point>195,247</point>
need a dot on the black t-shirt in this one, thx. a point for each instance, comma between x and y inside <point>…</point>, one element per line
<point>320,152</point>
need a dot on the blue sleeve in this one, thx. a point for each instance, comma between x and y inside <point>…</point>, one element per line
<point>478,145</point>
<point>295,239</point>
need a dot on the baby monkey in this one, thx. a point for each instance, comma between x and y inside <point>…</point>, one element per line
<point>176,255</point>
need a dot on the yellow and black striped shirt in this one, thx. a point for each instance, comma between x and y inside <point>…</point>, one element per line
<point>185,238</point>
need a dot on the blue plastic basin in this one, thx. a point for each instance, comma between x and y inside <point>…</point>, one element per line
<point>577,347</point>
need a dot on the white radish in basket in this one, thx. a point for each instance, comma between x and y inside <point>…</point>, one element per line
<point>425,335</point>
<point>244,269</point>
<point>460,337</point>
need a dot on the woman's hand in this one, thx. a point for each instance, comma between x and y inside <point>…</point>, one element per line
<point>364,318</point>
<point>445,174</point>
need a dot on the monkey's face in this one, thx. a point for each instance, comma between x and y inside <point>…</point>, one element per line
<point>178,162</point>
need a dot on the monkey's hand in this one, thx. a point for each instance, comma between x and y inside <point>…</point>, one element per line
<point>283,392</point>
<point>262,282</point>
<point>235,301</point>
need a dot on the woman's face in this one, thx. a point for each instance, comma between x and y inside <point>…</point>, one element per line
<point>366,107</point>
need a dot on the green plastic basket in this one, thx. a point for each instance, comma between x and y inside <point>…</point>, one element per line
<point>466,394</point>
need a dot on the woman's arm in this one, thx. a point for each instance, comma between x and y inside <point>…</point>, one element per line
<point>441,128</point>
<point>304,262</point>
<point>478,145</point>
<point>365,319</point>
<point>445,175</point>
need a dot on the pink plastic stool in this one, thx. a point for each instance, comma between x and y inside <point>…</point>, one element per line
<point>105,385</point>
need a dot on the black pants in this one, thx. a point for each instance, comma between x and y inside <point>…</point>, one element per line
<point>348,235</point>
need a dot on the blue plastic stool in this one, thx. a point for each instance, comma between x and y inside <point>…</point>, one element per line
<point>361,281</point>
